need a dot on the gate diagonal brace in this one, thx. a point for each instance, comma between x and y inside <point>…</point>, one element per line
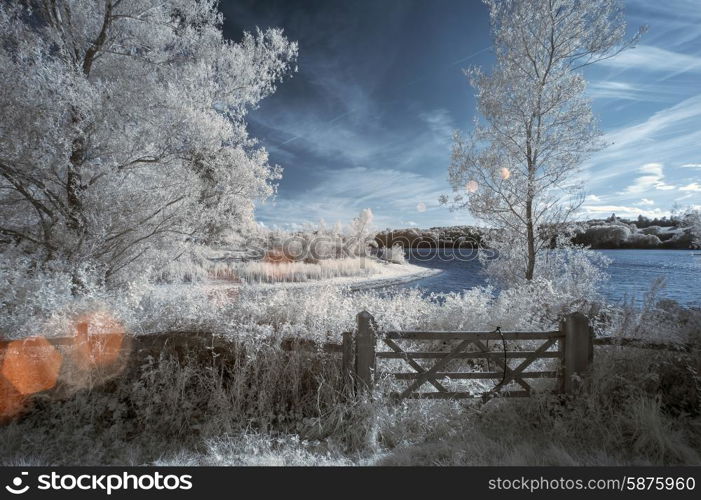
<point>507,368</point>
<point>514,373</point>
<point>422,378</point>
<point>416,366</point>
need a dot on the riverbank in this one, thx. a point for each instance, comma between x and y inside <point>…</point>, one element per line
<point>384,274</point>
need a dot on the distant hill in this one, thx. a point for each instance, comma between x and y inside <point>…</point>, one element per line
<point>610,233</point>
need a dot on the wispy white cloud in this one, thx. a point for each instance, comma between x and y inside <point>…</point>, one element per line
<point>595,211</point>
<point>694,186</point>
<point>342,193</point>
<point>348,149</point>
<point>647,91</point>
<point>670,136</point>
<point>654,59</point>
<point>652,178</point>
<point>614,90</point>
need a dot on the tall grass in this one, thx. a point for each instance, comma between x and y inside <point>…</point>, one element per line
<point>225,396</point>
<point>295,272</point>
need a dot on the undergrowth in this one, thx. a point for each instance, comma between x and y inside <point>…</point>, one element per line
<point>241,395</point>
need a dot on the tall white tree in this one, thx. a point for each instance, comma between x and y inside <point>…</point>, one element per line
<point>361,233</point>
<point>517,170</point>
<point>692,220</point>
<point>123,136</point>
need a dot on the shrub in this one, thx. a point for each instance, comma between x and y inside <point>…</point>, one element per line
<point>394,254</point>
<point>192,397</point>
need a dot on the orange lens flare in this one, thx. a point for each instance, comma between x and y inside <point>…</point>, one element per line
<point>31,365</point>
<point>98,341</point>
<point>472,186</point>
<point>504,173</point>
<point>277,257</point>
<point>11,401</point>
<point>34,365</point>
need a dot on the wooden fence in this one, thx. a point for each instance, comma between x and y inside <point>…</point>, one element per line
<point>572,344</point>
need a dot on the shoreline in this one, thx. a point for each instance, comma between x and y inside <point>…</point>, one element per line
<point>382,282</point>
<point>398,274</point>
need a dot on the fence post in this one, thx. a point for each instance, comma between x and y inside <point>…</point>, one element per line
<point>577,349</point>
<point>365,351</point>
<point>347,360</point>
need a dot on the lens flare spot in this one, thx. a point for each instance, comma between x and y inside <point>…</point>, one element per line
<point>472,187</point>
<point>421,207</point>
<point>98,341</point>
<point>11,401</point>
<point>31,365</point>
<point>504,173</point>
<point>277,257</point>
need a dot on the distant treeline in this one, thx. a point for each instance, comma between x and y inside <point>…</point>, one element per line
<point>435,237</point>
<point>610,233</point>
<point>641,233</point>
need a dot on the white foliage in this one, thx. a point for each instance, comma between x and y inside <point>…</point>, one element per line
<point>608,234</point>
<point>693,222</point>
<point>394,254</point>
<point>361,232</point>
<point>516,171</point>
<point>123,137</point>
<point>573,272</point>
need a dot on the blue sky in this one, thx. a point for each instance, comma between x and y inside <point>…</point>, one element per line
<point>367,121</point>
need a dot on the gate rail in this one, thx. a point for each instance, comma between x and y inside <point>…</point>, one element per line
<point>573,343</point>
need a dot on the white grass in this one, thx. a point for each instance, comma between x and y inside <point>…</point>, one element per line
<point>295,272</point>
<point>258,404</point>
<point>356,273</point>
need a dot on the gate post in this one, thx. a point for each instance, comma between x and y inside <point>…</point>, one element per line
<point>347,367</point>
<point>577,349</point>
<point>365,351</point>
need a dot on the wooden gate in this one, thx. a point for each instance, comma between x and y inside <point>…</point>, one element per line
<point>571,345</point>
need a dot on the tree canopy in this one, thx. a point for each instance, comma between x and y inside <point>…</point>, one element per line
<point>123,136</point>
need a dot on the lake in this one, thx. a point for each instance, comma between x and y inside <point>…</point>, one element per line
<point>631,273</point>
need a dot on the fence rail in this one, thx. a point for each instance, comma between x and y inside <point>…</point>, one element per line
<point>645,344</point>
<point>450,335</point>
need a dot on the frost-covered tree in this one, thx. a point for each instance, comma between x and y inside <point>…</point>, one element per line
<point>692,220</point>
<point>517,170</point>
<point>123,139</point>
<point>361,233</point>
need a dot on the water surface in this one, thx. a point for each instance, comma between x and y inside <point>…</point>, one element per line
<point>632,273</point>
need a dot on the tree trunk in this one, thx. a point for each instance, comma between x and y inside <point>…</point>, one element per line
<point>530,267</point>
<point>74,183</point>
<point>74,180</point>
<point>530,195</point>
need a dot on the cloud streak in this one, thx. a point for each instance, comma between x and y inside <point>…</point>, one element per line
<point>343,193</point>
<point>646,58</point>
<point>368,120</point>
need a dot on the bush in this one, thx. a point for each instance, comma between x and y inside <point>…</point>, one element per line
<point>193,397</point>
<point>606,236</point>
<point>638,240</point>
<point>394,254</point>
